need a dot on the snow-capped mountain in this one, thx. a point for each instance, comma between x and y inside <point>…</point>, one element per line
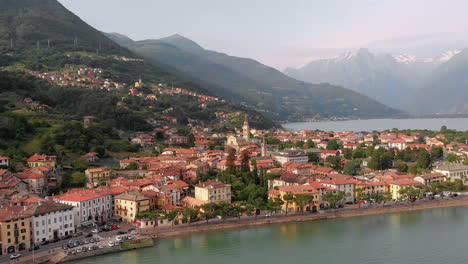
<point>388,78</point>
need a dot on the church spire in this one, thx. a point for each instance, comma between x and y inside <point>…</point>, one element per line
<point>246,129</point>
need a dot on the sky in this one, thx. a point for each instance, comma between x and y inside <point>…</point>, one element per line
<point>283,33</point>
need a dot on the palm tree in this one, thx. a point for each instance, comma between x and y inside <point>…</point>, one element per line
<point>289,197</point>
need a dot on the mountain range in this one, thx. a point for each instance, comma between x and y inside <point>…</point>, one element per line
<point>387,78</point>
<point>253,84</point>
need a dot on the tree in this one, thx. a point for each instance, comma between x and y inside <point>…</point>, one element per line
<point>451,157</point>
<point>171,215</point>
<point>332,198</point>
<point>424,159</point>
<point>347,153</point>
<point>78,179</point>
<point>191,214</point>
<point>334,161</point>
<point>274,205</point>
<point>465,162</point>
<point>231,158</point>
<point>437,152</point>
<point>288,198</point>
<point>132,166</point>
<point>402,167</point>
<point>351,168</point>
<point>302,200</point>
<point>313,157</point>
<point>333,145</point>
<point>245,161</point>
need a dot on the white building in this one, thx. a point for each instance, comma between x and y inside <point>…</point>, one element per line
<point>51,220</point>
<point>89,205</point>
<point>296,156</point>
<point>341,185</point>
<point>4,162</point>
<point>453,171</point>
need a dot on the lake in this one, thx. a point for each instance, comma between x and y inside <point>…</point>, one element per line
<point>381,124</point>
<point>427,237</point>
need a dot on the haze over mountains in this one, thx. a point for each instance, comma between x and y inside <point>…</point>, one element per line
<point>254,84</point>
<point>398,80</point>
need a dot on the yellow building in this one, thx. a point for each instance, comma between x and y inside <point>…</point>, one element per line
<point>37,160</point>
<point>15,230</point>
<point>96,176</point>
<point>396,186</point>
<point>129,204</point>
<point>292,206</point>
<point>368,188</point>
<point>213,191</point>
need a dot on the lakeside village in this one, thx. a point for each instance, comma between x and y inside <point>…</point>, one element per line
<point>248,172</point>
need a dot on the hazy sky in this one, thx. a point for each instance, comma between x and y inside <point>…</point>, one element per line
<point>283,33</point>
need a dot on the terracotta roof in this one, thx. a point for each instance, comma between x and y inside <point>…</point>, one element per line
<point>193,201</point>
<point>212,184</point>
<point>29,175</point>
<point>404,182</point>
<point>43,158</point>
<point>44,207</point>
<point>298,189</point>
<point>132,196</point>
<point>13,213</point>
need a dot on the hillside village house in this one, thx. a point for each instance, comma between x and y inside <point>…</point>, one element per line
<point>37,182</point>
<point>213,191</point>
<point>96,176</point>
<point>42,160</point>
<point>15,229</point>
<point>50,220</point>
<point>453,171</point>
<point>4,161</point>
<point>129,204</point>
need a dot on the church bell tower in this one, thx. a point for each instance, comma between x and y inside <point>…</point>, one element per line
<point>246,129</point>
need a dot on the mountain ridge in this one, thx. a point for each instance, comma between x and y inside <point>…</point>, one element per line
<point>259,86</point>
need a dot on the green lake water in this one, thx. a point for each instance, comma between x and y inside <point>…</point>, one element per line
<point>430,237</point>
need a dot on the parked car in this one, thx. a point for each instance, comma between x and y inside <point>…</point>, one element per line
<point>15,256</point>
<point>101,246</point>
<point>95,231</point>
<point>111,244</point>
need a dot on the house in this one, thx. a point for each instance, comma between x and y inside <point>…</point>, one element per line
<point>397,186</point>
<point>42,160</point>
<point>342,184</point>
<point>128,205</point>
<point>291,155</point>
<point>4,161</point>
<point>191,202</point>
<point>15,229</point>
<point>213,191</point>
<point>97,176</point>
<point>91,157</point>
<point>50,221</point>
<point>399,144</point>
<point>37,182</point>
<point>291,206</point>
<point>430,178</point>
<point>453,171</point>
<point>89,206</point>
<point>324,154</point>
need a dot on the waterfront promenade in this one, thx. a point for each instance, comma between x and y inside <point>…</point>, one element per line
<point>353,211</point>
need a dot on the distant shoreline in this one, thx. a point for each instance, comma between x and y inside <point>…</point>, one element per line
<point>417,206</point>
<point>340,119</point>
